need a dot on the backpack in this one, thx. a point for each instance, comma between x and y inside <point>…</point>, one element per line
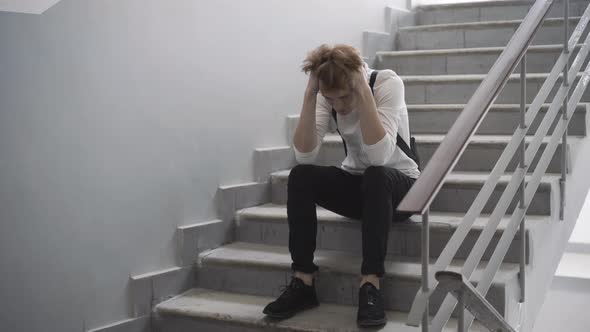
<point>410,151</point>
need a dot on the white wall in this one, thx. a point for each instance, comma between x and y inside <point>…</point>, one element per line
<point>566,306</point>
<point>118,121</point>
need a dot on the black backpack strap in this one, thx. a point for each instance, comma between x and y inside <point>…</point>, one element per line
<point>400,141</point>
<point>373,79</point>
<point>343,141</point>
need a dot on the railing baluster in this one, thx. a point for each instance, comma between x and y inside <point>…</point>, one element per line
<point>461,318</point>
<point>517,186</point>
<point>523,96</point>
<point>425,263</point>
<point>565,83</point>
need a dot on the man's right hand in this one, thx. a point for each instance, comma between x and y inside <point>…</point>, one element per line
<point>313,84</point>
<point>305,134</point>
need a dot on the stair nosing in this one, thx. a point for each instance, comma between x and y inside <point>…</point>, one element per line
<point>246,310</point>
<point>478,4</point>
<point>476,139</point>
<point>474,4</point>
<point>469,50</point>
<point>480,25</point>
<point>229,255</point>
<point>439,221</point>
<point>460,107</point>
<point>473,178</point>
<point>467,78</point>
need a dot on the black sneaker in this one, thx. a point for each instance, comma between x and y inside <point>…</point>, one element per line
<point>370,312</point>
<point>296,297</point>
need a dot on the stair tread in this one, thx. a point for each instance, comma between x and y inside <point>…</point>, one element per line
<point>469,50</point>
<point>476,4</point>
<point>200,303</point>
<point>574,265</point>
<point>470,77</point>
<point>458,177</point>
<point>264,255</point>
<point>493,108</point>
<point>452,107</point>
<point>485,24</point>
<point>475,139</point>
<point>438,220</point>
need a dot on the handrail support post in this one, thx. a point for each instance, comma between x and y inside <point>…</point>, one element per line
<point>425,267</point>
<point>523,126</point>
<point>564,110</point>
<point>461,317</point>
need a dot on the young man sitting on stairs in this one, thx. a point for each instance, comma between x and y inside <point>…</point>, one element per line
<point>379,169</point>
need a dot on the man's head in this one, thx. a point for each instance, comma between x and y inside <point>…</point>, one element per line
<point>333,66</point>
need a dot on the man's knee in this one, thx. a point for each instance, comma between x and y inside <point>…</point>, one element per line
<point>375,175</point>
<point>301,173</point>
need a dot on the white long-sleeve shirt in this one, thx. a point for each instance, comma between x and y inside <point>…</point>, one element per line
<point>393,112</point>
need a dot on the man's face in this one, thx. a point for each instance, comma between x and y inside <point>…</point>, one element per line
<point>342,100</point>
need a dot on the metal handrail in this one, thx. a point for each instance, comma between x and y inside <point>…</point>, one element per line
<point>425,189</point>
<point>531,187</point>
<point>447,155</point>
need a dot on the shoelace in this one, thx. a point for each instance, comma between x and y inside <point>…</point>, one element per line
<point>287,289</point>
<point>372,297</point>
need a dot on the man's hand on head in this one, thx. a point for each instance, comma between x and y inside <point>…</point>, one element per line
<point>360,85</point>
<point>313,84</point>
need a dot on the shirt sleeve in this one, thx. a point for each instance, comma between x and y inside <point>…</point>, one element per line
<point>323,114</point>
<point>389,99</point>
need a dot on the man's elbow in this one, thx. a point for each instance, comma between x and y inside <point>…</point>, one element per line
<point>378,161</point>
<point>306,158</point>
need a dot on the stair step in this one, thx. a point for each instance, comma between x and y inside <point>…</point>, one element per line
<point>488,11</point>
<point>258,269</point>
<point>501,119</point>
<point>458,89</point>
<point>267,224</point>
<point>478,60</point>
<point>202,309</point>
<point>481,154</point>
<point>456,194</point>
<point>477,34</point>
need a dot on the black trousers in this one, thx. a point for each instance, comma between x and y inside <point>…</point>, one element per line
<point>371,197</point>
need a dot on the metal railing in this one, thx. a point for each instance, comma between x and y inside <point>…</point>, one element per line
<point>427,186</point>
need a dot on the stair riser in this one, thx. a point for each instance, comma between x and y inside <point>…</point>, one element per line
<point>175,323</point>
<point>481,36</point>
<point>403,240</point>
<point>453,197</point>
<point>472,63</point>
<point>331,287</point>
<point>490,13</point>
<point>476,158</point>
<point>495,122</point>
<point>458,198</point>
<point>459,92</point>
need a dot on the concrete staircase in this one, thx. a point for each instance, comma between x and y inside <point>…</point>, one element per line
<point>441,60</point>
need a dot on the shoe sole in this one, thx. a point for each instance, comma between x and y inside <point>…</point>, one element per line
<point>290,313</point>
<point>372,322</point>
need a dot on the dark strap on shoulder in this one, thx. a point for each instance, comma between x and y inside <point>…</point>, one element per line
<point>399,140</point>
<point>343,141</point>
<point>372,80</point>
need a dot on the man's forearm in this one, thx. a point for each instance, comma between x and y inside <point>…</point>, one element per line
<point>371,126</point>
<point>305,134</point>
